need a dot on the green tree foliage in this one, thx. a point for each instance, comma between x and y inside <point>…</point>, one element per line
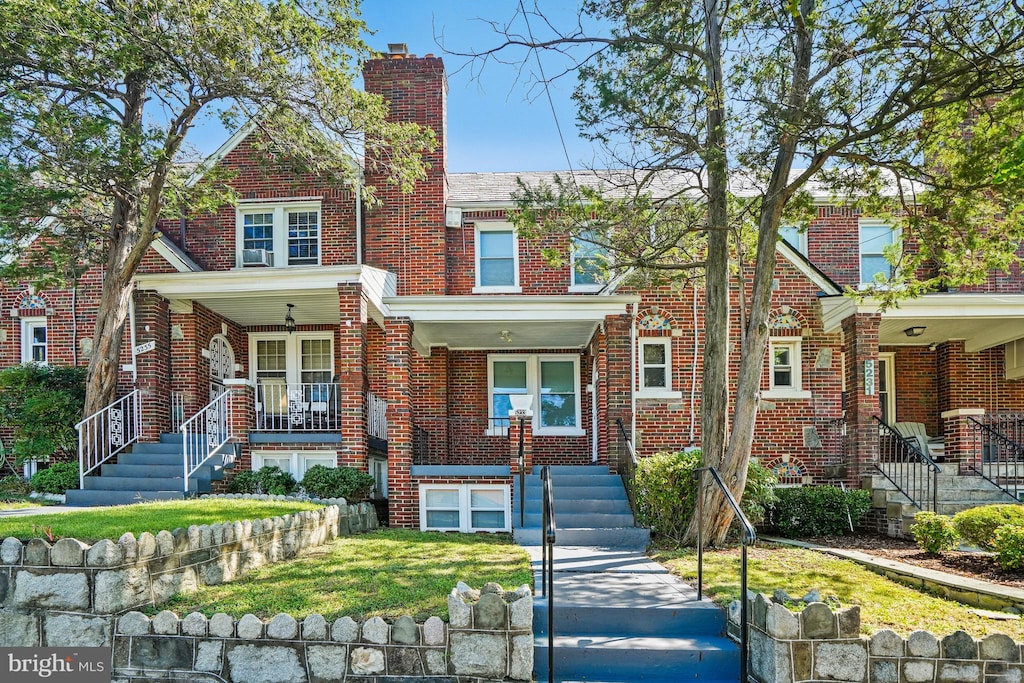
<point>728,114</point>
<point>97,100</point>
<point>41,405</point>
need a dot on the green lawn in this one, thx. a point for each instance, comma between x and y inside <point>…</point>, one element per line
<point>112,522</point>
<point>884,604</point>
<point>388,573</point>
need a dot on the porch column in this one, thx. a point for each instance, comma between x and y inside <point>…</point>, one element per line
<point>860,344</point>
<point>153,366</point>
<point>242,418</point>
<point>351,355</point>
<point>614,392</point>
<point>961,395</point>
<point>515,419</point>
<point>402,510</point>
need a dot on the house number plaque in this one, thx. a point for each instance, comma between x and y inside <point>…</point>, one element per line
<point>869,377</point>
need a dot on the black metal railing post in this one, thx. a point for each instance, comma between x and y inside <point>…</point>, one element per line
<point>548,566</point>
<point>522,475</point>
<point>748,539</point>
<point>627,468</point>
<point>1001,451</point>
<point>911,470</point>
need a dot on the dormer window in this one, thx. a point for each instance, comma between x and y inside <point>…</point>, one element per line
<point>279,234</point>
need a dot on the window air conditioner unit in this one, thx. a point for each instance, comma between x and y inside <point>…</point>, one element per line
<point>257,257</point>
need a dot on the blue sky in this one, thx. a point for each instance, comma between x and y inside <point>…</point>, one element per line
<point>494,122</point>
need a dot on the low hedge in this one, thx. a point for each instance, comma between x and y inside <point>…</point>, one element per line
<point>338,482</point>
<point>977,526</point>
<point>817,510</point>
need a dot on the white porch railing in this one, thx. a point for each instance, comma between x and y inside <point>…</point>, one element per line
<point>376,416</point>
<point>304,407</point>
<point>107,432</point>
<point>177,410</point>
<point>205,433</point>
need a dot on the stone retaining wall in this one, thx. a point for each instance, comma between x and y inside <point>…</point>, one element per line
<point>489,638</point>
<point>109,577</point>
<point>822,644</point>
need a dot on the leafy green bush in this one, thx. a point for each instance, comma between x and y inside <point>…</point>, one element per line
<point>818,510</point>
<point>57,478</point>
<point>337,482</point>
<point>934,533</point>
<point>1008,541</point>
<point>977,526</point>
<point>14,486</point>
<point>271,480</point>
<point>666,492</point>
<point>41,405</point>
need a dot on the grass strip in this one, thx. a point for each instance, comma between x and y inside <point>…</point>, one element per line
<point>387,573</point>
<point>111,522</point>
<point>884,603</point>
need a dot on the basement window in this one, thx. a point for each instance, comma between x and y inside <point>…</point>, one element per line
<point>464,507</point>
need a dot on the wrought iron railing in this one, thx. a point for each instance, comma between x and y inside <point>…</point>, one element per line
<point>548,562</point>
<point>999,438</point>
<point>107,432</point>
<point>626,462</point>
<point>749,537</point>
<point>376,416</point>
<point>177,410</point>
<point>460,441</point>
<point>910,470</point>
<point>302,407</point>
<point>205,434</point>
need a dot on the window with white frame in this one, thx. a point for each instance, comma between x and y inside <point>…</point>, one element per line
<point>301,357</point>
<point>589,260</point>
<point>279,234</point>
<point>784,369</point>
<point>294,463</point>
<point>497,258</point>
<point>553,383</point>
<point>655,367</point>
<point>875,238</point>
<point>33,340</point>
<point>795,237</point>
<point>464,507</point>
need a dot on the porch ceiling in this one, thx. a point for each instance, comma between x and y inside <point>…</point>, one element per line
<point>982,321</point>
<point>507,322</point>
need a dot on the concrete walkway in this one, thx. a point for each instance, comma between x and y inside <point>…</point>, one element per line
<point>39,510</point>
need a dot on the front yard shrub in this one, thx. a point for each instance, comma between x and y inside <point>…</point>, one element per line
<point>338,482</point>
<point>57,478</point>
<point>1008,542</point>
<point>271,480</point>
<point>934,533</point>
<point>666,492</point>
<point>13,486</point>
<point>977,526</point>
<point>41,404</point>
<point>818,510</point>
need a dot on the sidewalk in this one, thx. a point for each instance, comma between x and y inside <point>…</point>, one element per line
<point>41,509</point>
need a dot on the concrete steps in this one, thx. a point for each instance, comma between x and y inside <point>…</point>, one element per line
<point>149,471</point>
<point>591,509</point>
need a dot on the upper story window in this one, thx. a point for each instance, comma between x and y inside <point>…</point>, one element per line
<point>875,237</point>
<point>795,237</point>
<point>33,340</point>
<point>588,262</point>
<point>497,259</point>
<point>280,234</point>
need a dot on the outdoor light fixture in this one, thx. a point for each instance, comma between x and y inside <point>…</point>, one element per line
<point>506,336</point>
<point>289,321</point>
<point>915,331</point>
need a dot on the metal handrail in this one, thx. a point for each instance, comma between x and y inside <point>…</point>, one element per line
<point>522,473</point>
<point>199,446</point>
<point>920,488</point>
<point>107,432</point>
<point>749,538</point>
<point>627,470</point>
<point>996,438</point>
<point>548,566</point>
<point>376,416</point>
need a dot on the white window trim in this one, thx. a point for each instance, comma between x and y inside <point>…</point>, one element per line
<point>897,236</point>
<point>293,348</point>
<point>655,392</point>
<point>796,391</point>
<point>515,288</point>
<point>465,512</point>
<point>280,209</point>
<point>297,460</point>
<point>801,238</point>
<point>533,362</point>
<point>27,325</point>
<point>890,380</point>
<point>573,286</point>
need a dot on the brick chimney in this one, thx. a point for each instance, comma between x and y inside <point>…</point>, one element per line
<point>405,233</point>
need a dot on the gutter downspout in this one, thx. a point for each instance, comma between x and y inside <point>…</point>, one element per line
<point>632,372</point>
<point>359,224</point>
<point>131,333</point>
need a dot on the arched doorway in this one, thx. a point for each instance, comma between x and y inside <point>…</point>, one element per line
<point>222,364</point>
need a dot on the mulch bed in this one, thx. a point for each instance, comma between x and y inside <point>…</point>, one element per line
<point>973,564</point>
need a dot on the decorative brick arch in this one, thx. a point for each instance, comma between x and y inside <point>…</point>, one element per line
<point>789,471</point>
<point>785,321</point>
<point>33,303</point>
<point>654,320</point>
